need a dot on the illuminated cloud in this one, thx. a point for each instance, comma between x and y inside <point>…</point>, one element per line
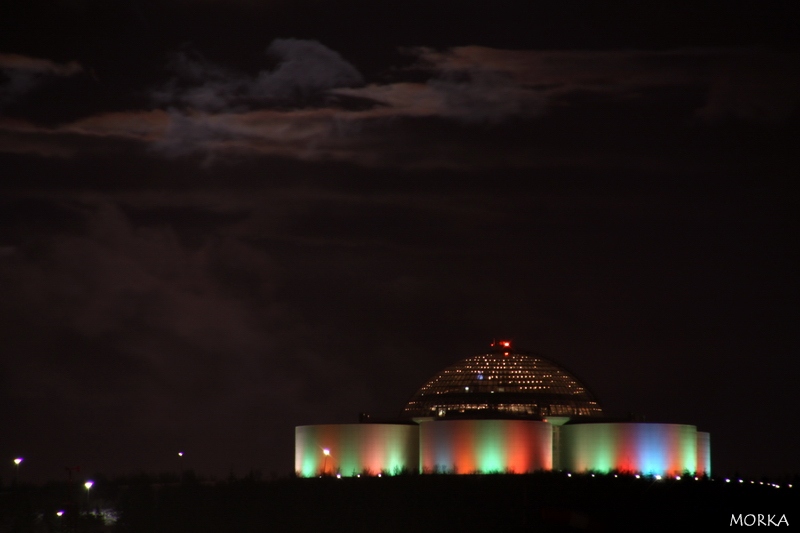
<point>147,126</point>
<point>314,105</point>
<point>302,134</point>
<point>21,74</point>
<point>304,70</point>
<point>19,136</point>
<point>745,83</point>
<point>22,63</point>
<point>477,96</point>
<point>551,70</point>
<point>469,84</point>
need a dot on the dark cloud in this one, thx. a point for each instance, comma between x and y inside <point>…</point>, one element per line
<point>754,86</point>
<point>188,332</point>
<point>304,70</point>
<point>303,107</point>
<point>21,63</point>
<point>483,96</point>
<point>21,74</point>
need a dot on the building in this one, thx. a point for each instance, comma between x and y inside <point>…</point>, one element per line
<point>502,411</point>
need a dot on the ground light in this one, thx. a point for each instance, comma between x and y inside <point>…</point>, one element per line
<point>17,462</point>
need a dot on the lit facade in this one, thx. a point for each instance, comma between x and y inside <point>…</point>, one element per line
<point>704,452</point>
<point>485,446</point>
<point>502,412</point>
<point>353,449</point>
<point>630,447</point>
<point>503,383</point>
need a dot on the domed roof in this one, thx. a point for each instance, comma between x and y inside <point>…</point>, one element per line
<point>503,383</point>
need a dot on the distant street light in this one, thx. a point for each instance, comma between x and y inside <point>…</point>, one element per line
<point>88,486</point>
<point>327,453</point>
<point>17,462</point>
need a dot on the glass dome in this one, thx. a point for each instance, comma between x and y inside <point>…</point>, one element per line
<point>503,384</point>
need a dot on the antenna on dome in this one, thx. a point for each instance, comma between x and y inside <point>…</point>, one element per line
<point>503,346</point>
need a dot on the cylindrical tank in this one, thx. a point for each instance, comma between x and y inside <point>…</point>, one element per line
<point>485,446</point>
<point>352,449</point>
<point>649,448</point>
<point>703,453</point>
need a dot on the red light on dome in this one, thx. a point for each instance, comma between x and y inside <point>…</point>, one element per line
<point>505,344</point>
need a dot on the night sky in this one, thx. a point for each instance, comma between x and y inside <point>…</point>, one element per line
<point>223,219</point>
